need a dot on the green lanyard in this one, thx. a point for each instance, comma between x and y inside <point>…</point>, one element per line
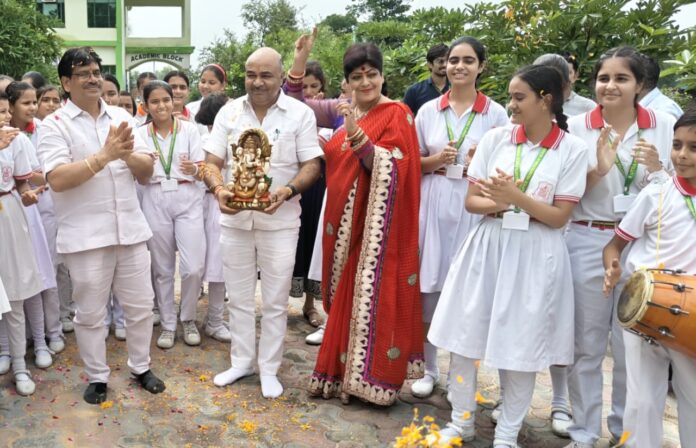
<point>690,205</point>
<point>632,169</point>
<point>532,169</point>
<point>166,164</point>
<point>465,131</point>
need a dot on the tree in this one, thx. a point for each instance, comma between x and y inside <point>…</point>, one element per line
<point>27,40</point>
<point>340,23</point>
<point>269,17</point>
<point>380,10</point>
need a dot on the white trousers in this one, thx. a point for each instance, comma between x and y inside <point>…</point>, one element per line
<point>595,324</point>
<point>94,273</point>
<point>647,366</point>
<point>273,252</point>
<point>176,220</point>
<point>67,306</point>
<point>114,313</point>
<point>213,262</point>
<point>517,389</point>
<point>13,329</point>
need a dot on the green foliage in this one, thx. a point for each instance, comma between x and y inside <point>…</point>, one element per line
<point>27,41</point>
<point>341,24</point>
<point>380,10</point>
<point>268,18</point>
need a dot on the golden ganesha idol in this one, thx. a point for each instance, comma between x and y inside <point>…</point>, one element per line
<point>250,165</point>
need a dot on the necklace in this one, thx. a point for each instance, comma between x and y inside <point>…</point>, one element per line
<point>359,113</point>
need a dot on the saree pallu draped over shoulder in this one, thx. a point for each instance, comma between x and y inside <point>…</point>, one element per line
<point>374,335</point>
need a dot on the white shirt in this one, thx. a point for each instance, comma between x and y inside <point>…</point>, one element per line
<point>677,227</point>
<point>432,126</point>
<point>577,104</point>
<point>657,100</point>
<point>561,174</point>
<point>193,108</point>
<point>292,130</point>
<point>104,211</point>
<point>15,162</point>
<point>186,147</point>
<point>655,127</point>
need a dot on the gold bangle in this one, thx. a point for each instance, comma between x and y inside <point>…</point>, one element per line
<point>216,189</point>
<point>99,165</point>
<point>94,173</point>
<point>291,76</point>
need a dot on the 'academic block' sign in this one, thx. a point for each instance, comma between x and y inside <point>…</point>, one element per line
<point>181,61</point>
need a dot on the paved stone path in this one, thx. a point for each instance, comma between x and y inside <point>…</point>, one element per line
<point>194,413</point>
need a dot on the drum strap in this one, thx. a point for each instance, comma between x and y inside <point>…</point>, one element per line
<point>659,230</point>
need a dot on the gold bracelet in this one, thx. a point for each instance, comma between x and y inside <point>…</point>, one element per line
<point>294,77</point>
<point>94,173</point>
<point>99,165</point>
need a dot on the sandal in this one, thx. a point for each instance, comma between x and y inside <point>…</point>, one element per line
<point>150,382</point>
<point>313,317</point>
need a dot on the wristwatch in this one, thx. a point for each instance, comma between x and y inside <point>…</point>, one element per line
<point>293,190</point>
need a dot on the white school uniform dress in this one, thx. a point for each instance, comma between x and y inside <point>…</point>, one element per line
<point>250,238</point>
<point>176,219</point>
<point>101,235</point>
<point>591,229</point>
<point>577,104</point>
<point>4,301</point>
<point>665,206</point>
<point>18,267</point>
<point>443,220</point>
<point>656,100</point>
<point>508,297</point>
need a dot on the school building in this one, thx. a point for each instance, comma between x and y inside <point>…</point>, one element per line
<point>104,26</point>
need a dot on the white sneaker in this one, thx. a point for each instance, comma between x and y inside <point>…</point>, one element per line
<point>56,345</point>
<point>156,317</point>
<point>317,337</point>
<point>452,431</point>
<point>575,444</point>
<point>24,384</point>
<point>497,410</point>
<point>67,324</point>
<point>191,334</point>
<point>43,359</point>
<point>166,339</point>
<point>560,422</point>
<point>120,334</point>
<point>220,333</point>
<point>423,387</point>
<point>5,362</point>
<point>503,444</point>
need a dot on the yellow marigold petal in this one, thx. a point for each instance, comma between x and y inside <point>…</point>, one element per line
<point>107,404</point>
<point>466,415</point>
<point>203,378</point>
<point>624,438</point>
<point>480,399</point>
<point>457,441</point>
<point>460,379</point>
<point>428,419</point>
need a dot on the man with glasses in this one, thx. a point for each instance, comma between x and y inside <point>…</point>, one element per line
<point>90,156</point>
<point>436,84</point>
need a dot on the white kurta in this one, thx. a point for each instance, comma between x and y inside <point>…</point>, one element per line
<point>444,222</point>
<point>508,297</point>
<point>4,302</point>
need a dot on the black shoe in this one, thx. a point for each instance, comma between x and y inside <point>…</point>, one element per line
<point>150,382</point>
<point>95,393</point>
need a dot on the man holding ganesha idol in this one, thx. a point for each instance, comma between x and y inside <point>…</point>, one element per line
<point>266,144</point>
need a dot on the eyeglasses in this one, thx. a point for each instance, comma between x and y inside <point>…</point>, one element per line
<point>84,76</point>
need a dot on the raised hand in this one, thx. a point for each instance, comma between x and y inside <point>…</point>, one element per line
<point>606,151</point>
<point>303,47</point>
<point>646,154</point>
<point>346,109</point>
<point>612,275</point>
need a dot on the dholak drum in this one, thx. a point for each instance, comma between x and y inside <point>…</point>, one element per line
<point>660,306</point>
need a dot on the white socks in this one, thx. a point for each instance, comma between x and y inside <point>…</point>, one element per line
<point>270,386</point>
<point>430,355</point>
<point>231,375</point>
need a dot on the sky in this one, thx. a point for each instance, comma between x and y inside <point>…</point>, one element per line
<point>210,17</point>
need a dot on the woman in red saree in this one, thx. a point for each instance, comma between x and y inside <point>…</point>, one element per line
<point>373,339</point>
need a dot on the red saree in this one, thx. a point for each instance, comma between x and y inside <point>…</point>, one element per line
<point>374,334</point>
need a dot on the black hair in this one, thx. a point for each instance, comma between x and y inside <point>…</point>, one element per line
<point>217,71</point>
<point>178,74</point>
<point>6,78</point>
<point>143,76</point>
<point>40,92</point>
<point>359,54</point>
<point>557,62</point>
<point>126,93</point>
<point>3,96</point>
<point>544,80</point>
<point>37,79</point>
<point>474,43</point>
<point>16,89</point>
<point>314,68</point>
<point>571,59</point>
<point>210,106</point>
<point>154,85</point>
<point>633,58</point>
<point>112,79</point>
<point>436,51</point>
<point>77,57</point>
<point>688,118</point>
<point>652,72</point>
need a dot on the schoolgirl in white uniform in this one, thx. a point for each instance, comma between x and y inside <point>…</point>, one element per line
<point>508,296</point>
<point>43,310</point>
<point>661,223</point>
<point>213,80</point>
<point>632,146</point>
<point>18,267</point>
<point>448,127</point>
<point>173,206</point>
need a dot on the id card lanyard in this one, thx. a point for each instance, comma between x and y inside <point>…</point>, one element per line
<point>690,205</point>
<point>166,164</point>
<point>632,169</point>
<point>462,136</point>
<point>532,169</point>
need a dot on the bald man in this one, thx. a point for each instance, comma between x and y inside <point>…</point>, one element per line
<point>262,239</point>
